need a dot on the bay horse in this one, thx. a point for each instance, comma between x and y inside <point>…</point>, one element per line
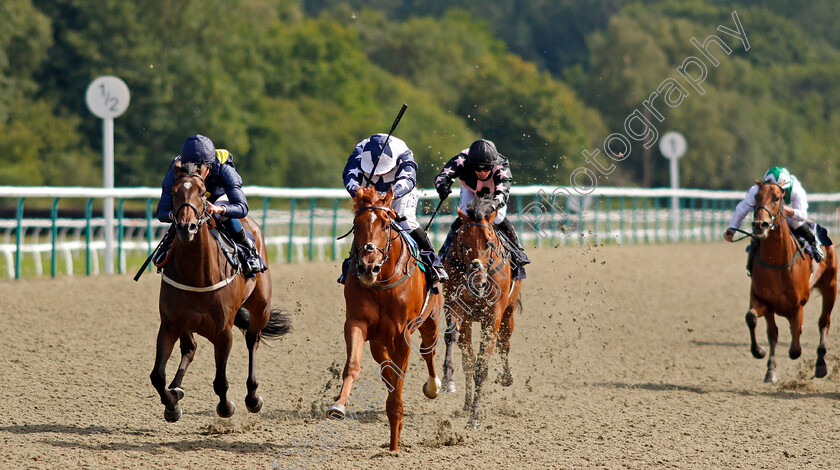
<point>481,285</point>
<point>782,279</point>
<point>386,300</point>
<point>202,293</point>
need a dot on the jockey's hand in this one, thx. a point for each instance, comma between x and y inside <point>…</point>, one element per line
<point>789,211</point>
<point>727,235</point>
<point>444,191</point>
<point>213,209</point>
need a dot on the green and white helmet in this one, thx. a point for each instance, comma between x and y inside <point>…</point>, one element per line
<point>778,175</point>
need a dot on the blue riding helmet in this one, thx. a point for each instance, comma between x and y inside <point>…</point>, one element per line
<point>198,149</point>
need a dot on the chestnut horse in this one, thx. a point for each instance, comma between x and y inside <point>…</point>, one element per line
<point>200,292</point>
<point>481,285</point>
<point>782,279</point>
<point>386,298</point>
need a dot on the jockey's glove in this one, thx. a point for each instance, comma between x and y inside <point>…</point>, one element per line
<point>444,190</point>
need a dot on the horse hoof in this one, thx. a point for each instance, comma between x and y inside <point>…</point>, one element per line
<point>231,409</point>
<point>822,369</point>
<point>794,354</point>
<point>178,392</point>
<point>770,378</point>
<point>449,387</point>
<point>431,388</point>
<point>256,407</point>
<point>336,411</point>
<point>505,379</point>
<point>474,423</point>
<point>172,414</point>
<point>758,352</point>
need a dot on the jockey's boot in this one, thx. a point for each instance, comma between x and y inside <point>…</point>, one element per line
<point>430,258</point>
<point>805,232</point>
<point>251,262</point>
<point>345,268</point>
<point>519,256</point>
<point>453,229</point>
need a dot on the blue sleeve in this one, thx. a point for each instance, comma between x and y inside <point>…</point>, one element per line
<point>353,170</point>
<point>236,205</point>
<point>165,204</point>
<point>451,170</point>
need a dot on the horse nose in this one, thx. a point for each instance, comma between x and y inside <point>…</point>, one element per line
<point>764,224</point>
<point>193,227</point>
<point>476,264</point>
<point>369,247</point>
<point>375,269</point>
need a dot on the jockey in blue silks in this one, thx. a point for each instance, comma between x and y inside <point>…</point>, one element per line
<point>226,201</point>
<point>396,170</point>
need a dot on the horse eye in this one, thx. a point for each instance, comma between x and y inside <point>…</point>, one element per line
<point>776,199</point>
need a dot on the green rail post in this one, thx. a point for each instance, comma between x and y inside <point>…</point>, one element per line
<point>621,219</point>
<point>88,215</point>
<point>596,201</point>
<point>54,235</point>
<point>312,203</point>
<point>120,265</point>
<point>292,204</point>
<point>581,220</point>
<point>149,224</point>
<point>19,238</point>
<point>553,225</point>
<point>635,218</point>
<point>335,230</point>
<point>607,201</point>
<point>656,237</point>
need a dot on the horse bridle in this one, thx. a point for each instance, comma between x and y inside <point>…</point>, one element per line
<point>773,218</point>
<point>491,245</point>
<point>202,214</point>
<point>354,252</point>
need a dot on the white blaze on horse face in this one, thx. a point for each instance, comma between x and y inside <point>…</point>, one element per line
<point>187,185</point>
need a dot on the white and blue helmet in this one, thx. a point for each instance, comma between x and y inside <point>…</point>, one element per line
<point>778,175</point>
<point>387,160</point>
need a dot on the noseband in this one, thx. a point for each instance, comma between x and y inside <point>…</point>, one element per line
<point>202,214</point>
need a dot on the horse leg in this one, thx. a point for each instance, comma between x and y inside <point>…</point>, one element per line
<point>428,345</point>
<point>355,335</point>
<point>795,333</point>
<point>188,347</point>
<point>450,337</point>
<point>828,289</point>
<point>505,332</point>
<point>169,398</point>
<point>394,403</point>
<point>772,337</point>
<point>468,359</point>
<point>222,343</point>
<point>757,309</point>
<point>489,335</point>
<point>253,401</point>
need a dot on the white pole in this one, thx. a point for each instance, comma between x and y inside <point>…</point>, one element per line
<point>108,170</point>
<point>675,201</point>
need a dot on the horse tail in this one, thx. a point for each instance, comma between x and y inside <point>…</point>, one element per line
<point>279,322</point>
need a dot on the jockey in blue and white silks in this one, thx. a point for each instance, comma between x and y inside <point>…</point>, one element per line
<point>395,169</point>
<point>796,208</point>
<point>226,201</point>
<point>482,171</point>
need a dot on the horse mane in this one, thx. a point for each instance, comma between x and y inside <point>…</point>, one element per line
<point>368,196</point>
<point>480,208</point>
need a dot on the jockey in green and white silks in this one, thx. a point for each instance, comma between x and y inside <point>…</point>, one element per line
<point>795,199</point>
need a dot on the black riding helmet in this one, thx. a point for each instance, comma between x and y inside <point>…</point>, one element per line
<point>198,149</point>
<point>482,154</point>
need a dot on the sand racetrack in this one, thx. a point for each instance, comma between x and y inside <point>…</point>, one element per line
<point>623,357</point>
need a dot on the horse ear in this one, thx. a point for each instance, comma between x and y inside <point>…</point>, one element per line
<point>759,182</point>
<point>389,197</point>
<point>461,214</point>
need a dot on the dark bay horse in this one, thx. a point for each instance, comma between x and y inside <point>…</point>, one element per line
<point>386,300</point>
<point>480,289</point>
<point>782,279</point>
<point>201,293</point>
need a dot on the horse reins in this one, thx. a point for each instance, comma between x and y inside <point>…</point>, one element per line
<point>463,266</point>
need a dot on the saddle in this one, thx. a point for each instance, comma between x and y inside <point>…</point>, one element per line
<point>822,236</point>
<point>164,251</point>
